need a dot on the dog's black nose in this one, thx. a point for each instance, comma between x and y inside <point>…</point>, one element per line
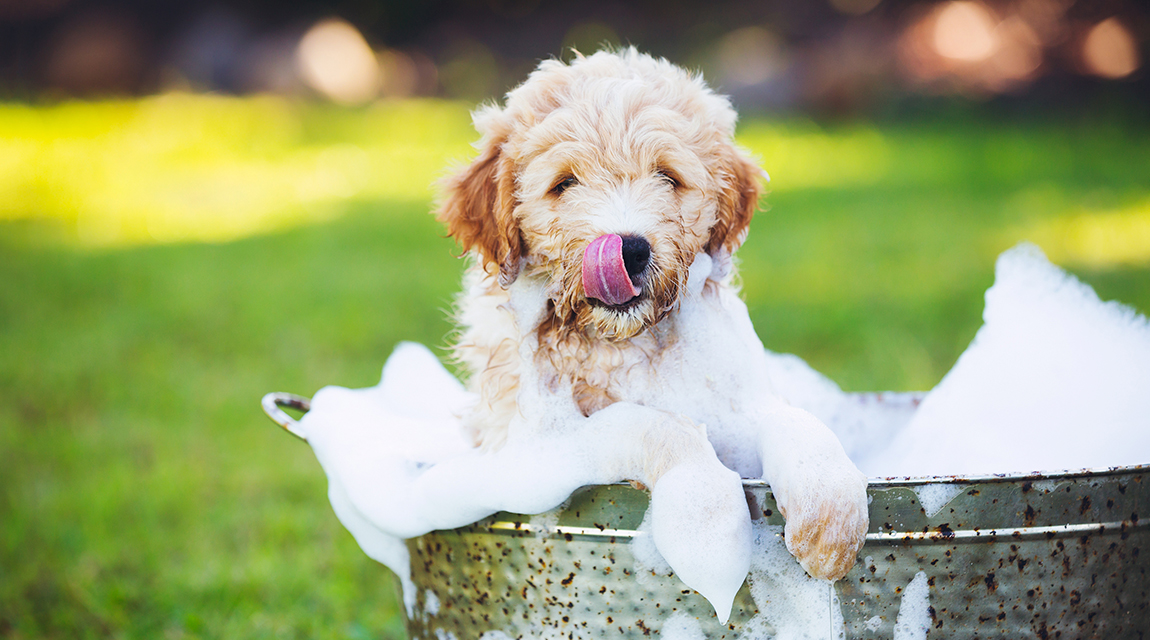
<point>636,254</point>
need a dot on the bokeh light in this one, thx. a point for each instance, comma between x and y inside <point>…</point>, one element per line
<point>335,60</point>
<point>965,45</point>
<point>965,31</point>
<point>1109,50</point>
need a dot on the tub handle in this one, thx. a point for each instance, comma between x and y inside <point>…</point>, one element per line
<point>272,403</point>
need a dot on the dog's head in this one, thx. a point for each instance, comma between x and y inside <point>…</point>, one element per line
<point>608,176</point>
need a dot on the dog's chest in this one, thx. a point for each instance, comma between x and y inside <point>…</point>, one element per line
<point>707,366</point>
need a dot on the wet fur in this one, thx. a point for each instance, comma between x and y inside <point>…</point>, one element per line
<point>650,148</point>
<point>511,222</point>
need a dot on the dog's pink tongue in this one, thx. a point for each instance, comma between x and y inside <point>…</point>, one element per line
<point>604,274</point>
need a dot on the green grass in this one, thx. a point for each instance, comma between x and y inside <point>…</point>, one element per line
<point>144,495</point>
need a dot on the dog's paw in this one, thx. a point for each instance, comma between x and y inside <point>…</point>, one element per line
<point>826,519</point>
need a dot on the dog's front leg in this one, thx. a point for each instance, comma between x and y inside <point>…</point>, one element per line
<point>698,511</point>
<point>819,490</point>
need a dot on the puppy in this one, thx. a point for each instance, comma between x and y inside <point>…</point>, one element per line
<point>602,214</point>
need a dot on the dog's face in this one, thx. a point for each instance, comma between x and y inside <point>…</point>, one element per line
<point>608,176</point>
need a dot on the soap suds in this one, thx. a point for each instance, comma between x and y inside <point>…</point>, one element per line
<point>913,619</point>
<point>792,605</point>
<point>681,626</point>
<point>649,563</point>
<point>1055,379</point>
<point>1047,486</point>
<point>545,524</point>
<point>933,497</point>
<point>434,480</point>
<point>430,603</point>
<point>1050,358</point>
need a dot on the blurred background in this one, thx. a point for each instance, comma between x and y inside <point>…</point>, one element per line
<point>830,56</point>
<point>201,203</point>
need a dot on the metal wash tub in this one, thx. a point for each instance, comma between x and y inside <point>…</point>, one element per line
<point>1051,555</point>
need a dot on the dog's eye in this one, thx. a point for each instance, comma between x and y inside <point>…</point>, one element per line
<point>563,185</point>
<point>669,177</point>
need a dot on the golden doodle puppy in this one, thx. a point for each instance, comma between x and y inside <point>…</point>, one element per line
<point>602,213</point>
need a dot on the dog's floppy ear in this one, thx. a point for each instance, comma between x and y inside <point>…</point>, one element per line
<point>478,211</point>
<point>737,201</point>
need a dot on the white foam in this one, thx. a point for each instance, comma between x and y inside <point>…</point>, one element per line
<point>865,424</point>
<point>792,605</point>
<point>913,619</point>
<point>681,626</point>
<point>430,603</point>
<point>933,497</point>
<point>393,475</point>
<point>649,563</point>
<point>545,524</point>
<point>1055,379</point>
<point>1050,359</point>
<point>1048,486</point>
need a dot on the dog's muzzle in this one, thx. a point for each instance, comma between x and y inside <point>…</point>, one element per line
<point>611,266</point>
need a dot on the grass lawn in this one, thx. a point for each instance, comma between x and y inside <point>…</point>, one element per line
<point>165,262</point>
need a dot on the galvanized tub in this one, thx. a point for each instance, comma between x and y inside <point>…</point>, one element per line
<point>1053,555</point>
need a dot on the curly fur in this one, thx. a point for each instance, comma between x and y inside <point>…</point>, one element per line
<point>613,143</point>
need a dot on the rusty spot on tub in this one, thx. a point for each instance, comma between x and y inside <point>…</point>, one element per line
<point>991,582</point>
<point>1028,516</point>
<point>945,530</point>
<point>567,581</point>
<point>643,627</point>
<point>1084,506</point>
<point>1027,486</point>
